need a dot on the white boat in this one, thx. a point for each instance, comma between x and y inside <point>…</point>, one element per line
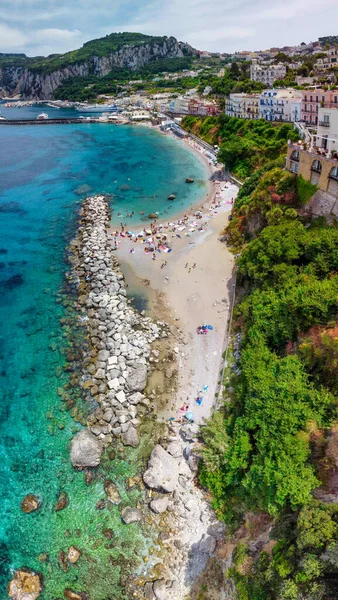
<point>97,108</point>
<point>42,117</point>
<point>1,117</point>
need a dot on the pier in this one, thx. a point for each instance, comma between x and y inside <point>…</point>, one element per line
<point>50,121</point>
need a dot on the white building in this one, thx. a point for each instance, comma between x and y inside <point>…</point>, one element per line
<point>281,105</point>
<point>327,131</point>
<point>179,105</point>
<point>267,73</point>
<point>243,106</point>
<point>329,61</point>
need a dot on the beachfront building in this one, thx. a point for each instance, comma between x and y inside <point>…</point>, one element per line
<point>193,106</point>
<point>179,106</point>
<point>320,169</point>
<point>281,105</point>
<point>243,106</point>
<point>196,107</point>
<point>312,100</point>
<point>267,73</point>
<point>327,129</point>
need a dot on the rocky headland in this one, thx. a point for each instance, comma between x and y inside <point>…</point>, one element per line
<point>34,83</point>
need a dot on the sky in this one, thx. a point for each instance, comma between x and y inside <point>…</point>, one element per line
<point>42,27</point>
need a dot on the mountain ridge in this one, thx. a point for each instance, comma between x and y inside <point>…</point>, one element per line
<point>37,78</point>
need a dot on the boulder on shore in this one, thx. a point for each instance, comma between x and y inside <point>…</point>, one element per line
<point>26,585</point>
<point>130,437</point>
<point>30,503</point>
<point>159,505</point>
<point>137,378</point>
<point>85,450</point>
<point>163,471</point>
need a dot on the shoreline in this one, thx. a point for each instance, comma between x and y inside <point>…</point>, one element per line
<point>193,273</point>
<point>170,493</point>
<point>211,171</point>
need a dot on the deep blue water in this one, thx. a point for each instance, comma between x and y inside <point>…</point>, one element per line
<point>45,172</point>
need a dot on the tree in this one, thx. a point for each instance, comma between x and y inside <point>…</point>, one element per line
<point>315,528</point>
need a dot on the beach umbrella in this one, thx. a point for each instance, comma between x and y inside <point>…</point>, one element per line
<point>210,327</point>
<point>190,416</point>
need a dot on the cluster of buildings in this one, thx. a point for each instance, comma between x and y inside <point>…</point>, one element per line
<point>185,105</point>
<point>317,161</point>
<point>267,73</point>
<point>284,104</point>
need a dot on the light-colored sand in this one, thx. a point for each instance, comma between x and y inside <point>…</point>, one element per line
<point>194,296</point>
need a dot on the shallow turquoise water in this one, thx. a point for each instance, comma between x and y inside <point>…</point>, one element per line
<point>41,171</point>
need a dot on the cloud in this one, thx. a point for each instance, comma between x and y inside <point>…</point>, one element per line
<point>48,26</point>
<point>11,39</point>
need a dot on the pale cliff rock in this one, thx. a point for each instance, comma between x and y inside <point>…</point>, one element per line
<point>32,85</point>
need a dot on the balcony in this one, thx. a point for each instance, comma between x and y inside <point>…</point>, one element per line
<point>324,123</point>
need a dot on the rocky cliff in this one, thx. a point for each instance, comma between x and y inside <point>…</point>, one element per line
<point>32,83</point>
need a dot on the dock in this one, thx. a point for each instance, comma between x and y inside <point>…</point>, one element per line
<point>51,121</point>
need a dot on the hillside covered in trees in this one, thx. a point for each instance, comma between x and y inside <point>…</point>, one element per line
<point>270,455</point>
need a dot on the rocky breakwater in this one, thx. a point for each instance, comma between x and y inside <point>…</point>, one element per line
<point>114,374</point>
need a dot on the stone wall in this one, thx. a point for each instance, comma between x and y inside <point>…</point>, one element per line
<point>306,160</point>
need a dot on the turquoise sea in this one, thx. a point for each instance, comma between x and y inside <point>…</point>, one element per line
<point>45,172</point>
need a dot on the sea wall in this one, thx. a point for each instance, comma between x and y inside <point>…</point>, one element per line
<point>114,375</point>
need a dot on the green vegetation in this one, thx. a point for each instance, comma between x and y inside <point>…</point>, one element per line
<point>273,443</point>
<point>305,189</point>
<point>99,47</point>
<point>244,145</point>
<point>235,79</point>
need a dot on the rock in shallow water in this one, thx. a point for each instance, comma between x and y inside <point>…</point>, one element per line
<point>73,554</point>
<point>85,450</point>
<point>26,585</point>
<point>62,502</point>
<point>131,515</point>
<point>70,595</point>
<point>30,503</point>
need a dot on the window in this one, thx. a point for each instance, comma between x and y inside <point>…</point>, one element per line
<point>294,166</point>
<point>323,99</point>
<point>305,107</point>
<point>316,166</point>
<point>317,98</point>
<point>326,119</point>
<point>334,173</point>
<point>295,155</point>
<point>336,99</point>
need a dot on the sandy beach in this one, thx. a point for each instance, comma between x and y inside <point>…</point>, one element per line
<point>194,279</point>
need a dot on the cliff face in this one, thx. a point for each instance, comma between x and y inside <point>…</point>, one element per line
<point>32,85</point>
